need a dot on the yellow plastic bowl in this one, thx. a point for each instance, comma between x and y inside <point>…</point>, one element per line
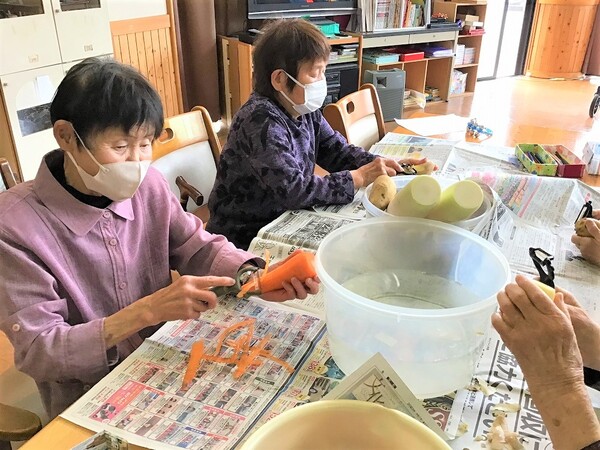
<point>343,425</point>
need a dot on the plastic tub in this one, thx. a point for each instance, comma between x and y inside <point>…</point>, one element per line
<point>343,425</point>
<point>475,223</point>
<point>418,291</point>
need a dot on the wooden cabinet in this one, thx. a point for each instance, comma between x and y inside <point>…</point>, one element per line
<point>454,9</point>
<point>236,64</point>
<point>559,37</point>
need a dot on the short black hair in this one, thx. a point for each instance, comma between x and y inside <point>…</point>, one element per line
<point>286,44</point>
<point>97,94</point>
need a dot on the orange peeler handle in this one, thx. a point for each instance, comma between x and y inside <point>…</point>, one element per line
<point>301,266</point>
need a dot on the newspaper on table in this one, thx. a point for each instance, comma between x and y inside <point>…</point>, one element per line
<point>141,401</point>
<point>300,229</point>
<point>532,212</point>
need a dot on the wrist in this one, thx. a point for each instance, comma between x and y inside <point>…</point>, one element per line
<point>357,179</point>
<point>142,313</point>
<point>559,386</point>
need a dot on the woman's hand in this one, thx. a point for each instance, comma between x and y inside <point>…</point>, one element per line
<point>590,246</point>
<point>365,175</point>
<point>186,298</point>
<point>540,335</point>
<point>586,329</point>
<point>294,289</point>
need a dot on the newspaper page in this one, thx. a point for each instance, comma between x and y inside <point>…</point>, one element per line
<point>437,154</point>
<point>353,210</point>
<point>397,138</point>
<point>377,382</point>
<point>141,400</point>
<point>300,228</point>
<point>540,212</point>
<point>498,386</point>
<point>469,157</point>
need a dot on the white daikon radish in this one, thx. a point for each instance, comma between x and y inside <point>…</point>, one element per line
<point>417,198</point>
<point>458,202</point>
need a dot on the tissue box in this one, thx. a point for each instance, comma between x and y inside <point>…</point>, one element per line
<point>570,166</point>
<point>591,157</point>
<point>536,160</point>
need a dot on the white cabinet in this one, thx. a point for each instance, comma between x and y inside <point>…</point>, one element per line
<point>27,36</point>
<point>27,96</point>
<point>39,41</point>
<point>82,28</point>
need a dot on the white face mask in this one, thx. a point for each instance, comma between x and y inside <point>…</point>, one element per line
<point>314,95</point>
<point>117,181</point>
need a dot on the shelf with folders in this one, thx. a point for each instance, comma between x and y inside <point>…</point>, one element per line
<point>391,15</point>
<point>467,46</point>
<point>420,73</point>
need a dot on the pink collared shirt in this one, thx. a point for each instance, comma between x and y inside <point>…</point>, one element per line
<point>65,266</point>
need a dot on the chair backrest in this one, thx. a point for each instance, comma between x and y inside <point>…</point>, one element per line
<point>188,148</point>
<point>7,177</point>
<point>357,117</point>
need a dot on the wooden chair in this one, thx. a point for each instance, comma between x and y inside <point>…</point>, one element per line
<point>16,424</point>
<point>187,154</point>
<point>357,117</point>
<point>20,402</point>
<point>7,176</point>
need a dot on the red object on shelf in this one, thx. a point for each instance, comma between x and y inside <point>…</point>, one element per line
<point>473,32</point>
<point>412,56</point>
<point>409,54</point>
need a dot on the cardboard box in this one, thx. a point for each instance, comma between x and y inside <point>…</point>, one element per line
<point>467,17</point>
<point>570,166</point>
<point>547,165</point>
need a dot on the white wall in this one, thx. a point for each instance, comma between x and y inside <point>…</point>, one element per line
<point>133,9</point>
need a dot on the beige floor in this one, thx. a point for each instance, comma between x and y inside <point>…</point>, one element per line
<point>523,109</point>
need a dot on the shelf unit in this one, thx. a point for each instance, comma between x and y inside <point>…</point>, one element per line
<point>236,63</point>
<point>452,9</point>
<point>420,73</point>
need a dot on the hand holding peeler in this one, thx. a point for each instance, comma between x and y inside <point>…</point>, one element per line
<point>407,169</point>
<point>243,275</point>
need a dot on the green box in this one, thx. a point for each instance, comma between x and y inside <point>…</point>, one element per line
<point>547,166</point>
<point>328,27</point>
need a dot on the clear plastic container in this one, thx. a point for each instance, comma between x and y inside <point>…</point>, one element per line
<point>418,291</point>
<point>475,223</point>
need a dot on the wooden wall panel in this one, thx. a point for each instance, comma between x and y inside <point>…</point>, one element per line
<point>146,44</point>
<point>559,38</point>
